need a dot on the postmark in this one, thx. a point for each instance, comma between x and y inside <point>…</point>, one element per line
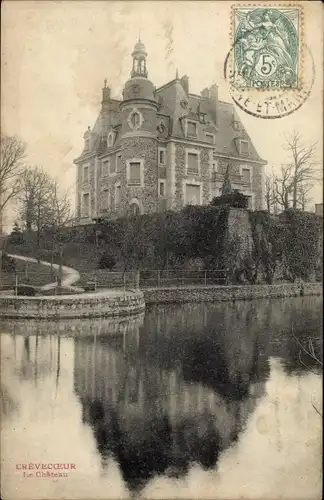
<point>263,81</point>
<point>268,48</point>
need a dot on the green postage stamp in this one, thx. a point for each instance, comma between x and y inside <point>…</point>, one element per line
<point>267,47</point>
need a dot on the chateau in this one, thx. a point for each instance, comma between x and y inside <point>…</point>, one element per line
<point>162,148</point>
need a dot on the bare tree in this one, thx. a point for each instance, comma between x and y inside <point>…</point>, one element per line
<point>282,187</point>
<point>303,197</point>
<point>11,164</point>
<point>59,207</point>
<point>304,166</point>
<point>290,188</point>
<point>270,194</point>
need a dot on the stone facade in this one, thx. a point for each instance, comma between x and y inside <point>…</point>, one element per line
<point>160,149</point>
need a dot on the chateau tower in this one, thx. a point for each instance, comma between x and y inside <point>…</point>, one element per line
<point>139,137</point>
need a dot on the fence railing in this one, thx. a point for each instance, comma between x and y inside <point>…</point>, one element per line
<point>172,278</point>
<point>99,279</point>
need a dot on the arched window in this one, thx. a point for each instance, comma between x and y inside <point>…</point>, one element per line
<point>134,209</point>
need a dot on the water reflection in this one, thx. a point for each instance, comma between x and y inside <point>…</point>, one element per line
<point>161,393</point>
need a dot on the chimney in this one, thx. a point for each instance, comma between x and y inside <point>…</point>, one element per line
<point>106,93</point>
<point>185,84</point>
<point>205,93</point>
<point>214,92</point>
<point>213,96</point>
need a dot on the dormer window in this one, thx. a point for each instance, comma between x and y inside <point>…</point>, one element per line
<point>236,125</point>
<point>87,144</point>
<point>192,129</point>
<point>110,139</point>
<point>210,138</point>
<point>244,147</point>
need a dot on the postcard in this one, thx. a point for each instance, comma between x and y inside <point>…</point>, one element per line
<point>161,250</point>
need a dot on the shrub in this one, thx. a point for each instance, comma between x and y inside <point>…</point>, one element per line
<point>26,290</point>
<point>8,264</point>
<point>235,200</point>
<point>107,261</point>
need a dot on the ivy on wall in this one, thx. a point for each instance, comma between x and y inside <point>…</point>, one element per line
<point>290,241</point>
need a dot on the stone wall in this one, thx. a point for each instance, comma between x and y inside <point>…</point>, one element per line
<point>239,234</point>
<point>90,305</point>
<point>229,293</point>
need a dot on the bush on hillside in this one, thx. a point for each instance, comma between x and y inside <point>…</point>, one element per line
<point>8,264</point>
<point>235,200</point>
<point>107,261</point>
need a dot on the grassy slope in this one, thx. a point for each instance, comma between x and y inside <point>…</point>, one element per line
<point>31,273</point>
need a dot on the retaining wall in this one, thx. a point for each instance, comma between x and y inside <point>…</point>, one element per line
<point>89,305</point>
<point>229,293</point>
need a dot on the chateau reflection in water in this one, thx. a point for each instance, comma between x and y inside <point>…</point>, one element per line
<point>164,396</point>
<point>170,389</point>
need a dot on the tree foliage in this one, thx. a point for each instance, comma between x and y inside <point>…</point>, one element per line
<point>41,203</point>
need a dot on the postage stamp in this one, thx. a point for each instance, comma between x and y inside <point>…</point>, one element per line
<point>267,46</point>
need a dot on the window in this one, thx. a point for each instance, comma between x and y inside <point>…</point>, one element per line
<point>210,138</point>
<point>161,157</point>
<point>250,202</point>
<point>105,168</point>
<point>193,163</point>
<point>161,188</point>
<point>246,175</point>
<point>117,195</point>
<point>118,163</point>
<point>87,144</point>
<point>86,205</point>
<point>214,166</point>
<point>193,194</point>
<point>105,199</point>
<point>244,147</point>
<point>134,209</point>
<point>86,173</point>
<point>112,166</point>
<point>134,173</point>
<point>236,125</point>
<point>192,129</point>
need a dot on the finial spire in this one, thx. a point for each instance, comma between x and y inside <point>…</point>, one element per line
<point>105,83</point>
<point>139,35</point>
<point>177,74</point>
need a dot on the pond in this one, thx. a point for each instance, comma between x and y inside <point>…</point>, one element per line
<point>192,401</point>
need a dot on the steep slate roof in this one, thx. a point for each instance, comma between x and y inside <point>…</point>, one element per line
<point>176,104</point>
<point>220,121</point>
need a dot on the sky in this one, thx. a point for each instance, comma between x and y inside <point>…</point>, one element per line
<point>56,55</point>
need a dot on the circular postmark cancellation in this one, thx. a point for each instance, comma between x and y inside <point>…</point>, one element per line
<point>269,69</point>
